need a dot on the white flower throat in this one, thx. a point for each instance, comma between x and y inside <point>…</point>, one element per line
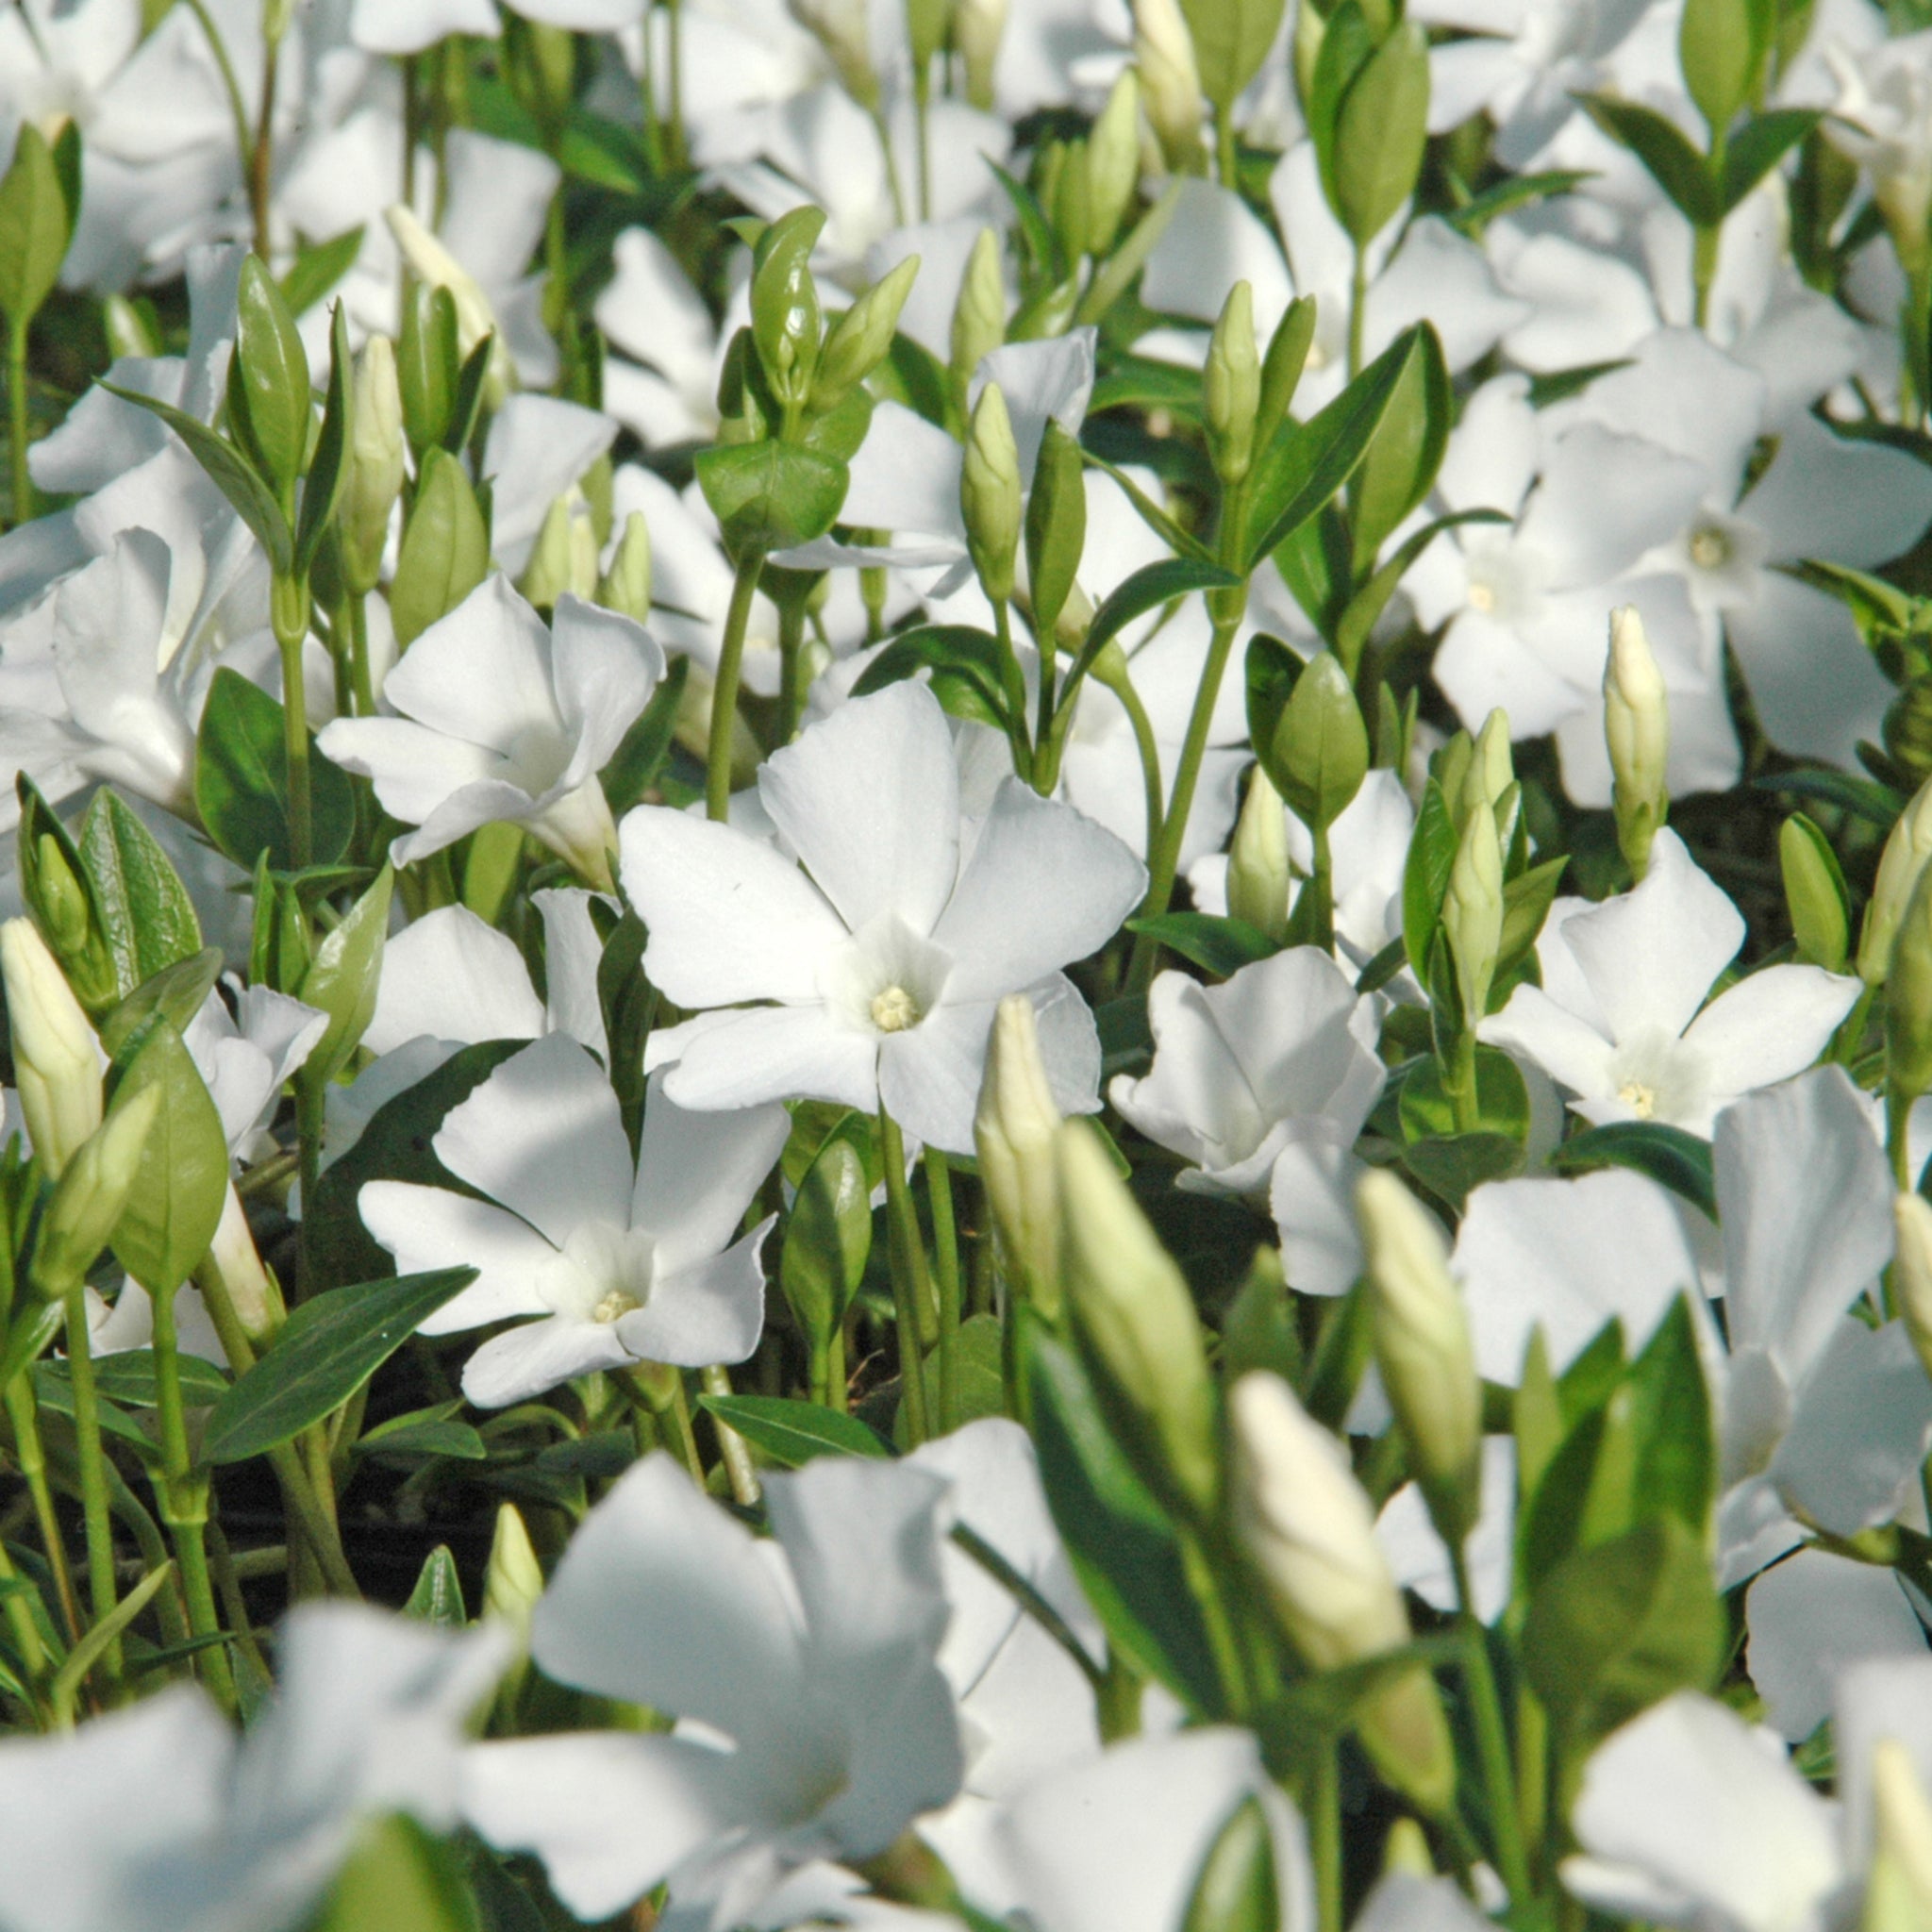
<point>603,1273</point>
<point>886,978</point>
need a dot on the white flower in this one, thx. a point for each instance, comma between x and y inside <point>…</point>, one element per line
<point>1883,120</point>
<point>815,1722</point>
<point>650,312</point>
<point>622,1262</point>
<point>506,721</point>
<point>885,957</point>
<point>1620,1018</point>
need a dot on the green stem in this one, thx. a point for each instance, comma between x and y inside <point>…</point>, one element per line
<point>19,1618</point>
<point>234,1604</point>
<point>791,667</point>
<point>92,1463</point>
<point>311,1107</point>
<point>945,1242</point>
<point>909,1289</point>
<point>361,684</point>
<point>675,38</point>
<point>237,107</point>
<point>1460,1078</point>
<point>1704,248</point>
<point>892,183</point>
<point>1491,1739</point>
<point>731,1445</point>
<point>922,117</point>
<point>184,1503</point>
<point>23,1412</point>
<point>17,418</point>
<point>1532,1764</point>
<point>1145,742</point>
<point>1898,1140</point>
<point>1324,1837</point>
<point>1358,312</point>
<point>679,1412</point>
<point>1026,756</point>
<point>289,605</point>
<point>1226,156</point>
<point>260,158</point>
<point>724,690</point>
<point>647,95</point>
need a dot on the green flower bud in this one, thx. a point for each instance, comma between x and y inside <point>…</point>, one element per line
<point>1473,913</point>
<point>785,303</point>
<point>1424,1350</point>
<point>1015,1130</point>
<point>1281,368</point>
<point>1911,1271</point>
<point>92,1194</point>
<point>1491,769</point>
<point>1309,1532</point>
<point>979,316</point>
<point>1170,83</point>
<point>1135,1322</point>
<point>1406,1849</point>
<point>1231,386</point>
<point>843,29</point>
<point>476,319</point>
<point>565,557</point>
<point>1260,875</point>
<point>342,976</point>
<point>1071,219</point>
<point>860,340</point>
<point>1909,998</point>
<point>512,1582</point>
<point>1899,865</point>
<point>1113,163</point>
<point>1636,727</point>
<point>375,478</point>
<point>1238,1889</point>
<point>1056,526</point>
<point>990,493</point>
<point>926,32</point>
<point>57,1060</point>
<point>1814,893</point>
<point>978,26</point>
<point>625,587</point>
<point>1321,745</point>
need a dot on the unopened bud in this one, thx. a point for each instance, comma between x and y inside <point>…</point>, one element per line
<point>92,1194</point>
<point>375,464</point>
<point>1072,222</point>
<point>1309,1532</point>
<point>1014,1132</point>
<point>57,1060</point>
<point>1491,770</point>
<point>1473,913</point>
<point>1636,727</point>
<point>1135,1320</point>
<point>845,31</point>
<point>1898,1894</point>
<point>563,560</point>
<point>512,1582</point>
<point>1912,1272</point>
<point>989,494</point>
<point>1908,999</point>
<point>785,315</point>
<point>476,319</point>
<point>1407,1850</point>
<point>1424,1350</point>
<point>1113,163</point>
<point>1056,526</point>
<point>1814,893</point>
<point>1259,876</point>
<point>625,587</point>
<point>252,1290</point>
<point>1231,386</point>
<point>979,316</point>
<point>1170,83</point>
<point>1899,866</point>
<point>978,26</point>
<point>859,342</point>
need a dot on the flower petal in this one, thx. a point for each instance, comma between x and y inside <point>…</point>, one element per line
<point>775,1053</point>
<point>605,666</point>
<point>481,674</point>
<point>536,1357</point>
<point>453,976</point>
<point>710,1310</point>
<point>697,1172</point>
<point>433,1228</point>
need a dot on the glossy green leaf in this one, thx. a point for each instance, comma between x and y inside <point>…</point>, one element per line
<point>445,549</point>
<point>792,1433</point>
<point>1672,1423</point>
<point>330,1346</point>
<point>318,267</point>
<point>1527,902</point>
<point>179,992</point>
<point>1426,876</point>
<point>321,491</point>
<point>638,760</point>
<point>1216,944</point>
<point>1381,129</point>
<point>1399,467</point>
<point>342,975</point>
<point>1816,899</point>
<point>770,495</point>
<point>1360,615</point>
<point>973,658</point>
<point>1318,755</point>
<point>1147,588</point>
<point>827,1239</point>
<point>35,226</point>
<point>1675,1159</point>
<point>241,780</point>
<point>129,1378</point>
<point>438,1597</point>
<point>146,914</point>
<point>1759,146</point>
<point>1679,169</point>
<point>59,893</point>
<point>268,380</point>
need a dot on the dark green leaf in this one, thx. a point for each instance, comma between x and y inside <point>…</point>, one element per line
<point>1679,169</point>
<point>438,1597</point>
<point>634,767</point>
<point>973,656</point>
<point>1399,467</point>
<point>1865,798</point>
<point>1147,589</point>
<point>445,549</point>
<point>318,267</point>
<point>268,380</point>
<point>1511,193</point>
<point>1217,945</point>
<point>241,780</point>
<point>1678,1160</point>
<point>792,1433</point>
<point>322,490</point>
<point>1426,876</point>
<point>145,912</point>
<point>1759,146</point>
<point>770,495</point>
<point>179,992</point>
<point>129,1378</point>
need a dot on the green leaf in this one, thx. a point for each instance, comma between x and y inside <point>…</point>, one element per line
<point>792,1433</point>
<point>1618,1627</point>
<point>1231,40</point>
<point>1308,463</point>
<point>1147,589</point>
<point>322,488</point>
<point>35,225</point>
<point>982,1374</point>
<point>466,402</point>
<point>318,267</point>
<point>342,979</point>
<point>30,1330</point>
<point>1381,129</point>
<point>1217,945</point>
<point>1759,146</point>
<point>241,780</point>
<point>1237,1891</point>
<point>1816,899</point>
<point>182,1185</point>
<point>445,549</point>
<point>770,495</point>
<point>330,1346</point>
<point>1122,1545</point>
<point>1667,1155</point>
<point>1514,191</point>
<point>1878,805</point>
<point>400,1878</point>
<point>1360,615</point>
<point>268,381</point>
<point>1452,1166</point>
<point>1426,876</point>
<point>129,1378</point>
<point>438,1597</point>
<point>1526,901</point>
<point>972,659</point>
<point>1346,48</point>
<point>1178,540</point>
<point>1318,755</point>
<point>839,430</point>
<point>428,363</point>
<point>1679,169</point>
<point>1399,466</point>
<point>1721,48</point>
<point>60,894</point>
<point>179,992</point>
<point>54,1392</point>
<point>145,912</point>
<point>418,1441</point>
<point>231,473</point>
<point>827,1239</point>
<point>635,765</point>
<point>1671,1421</point>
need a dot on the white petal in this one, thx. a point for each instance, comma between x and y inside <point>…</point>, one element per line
<point>710,1310</point>
<point>536,1357</point>
<point>1770,1026</point>
<point>930,1075</point>
<point>605,666</point>
<point>1889,1697</point>
<point>775,1053</point>
<point>1860,1430</point>
<point>697,1173</point>
<point>426,1228</point>
<point>1812,678</point>
<point>482,674</point>
<point>1311,1195</point>
<point>453,976</point>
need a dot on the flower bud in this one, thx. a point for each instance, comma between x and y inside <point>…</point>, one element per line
<point>978,26</point>
<point>476,319</point>
<point>375,464</point>
<point>1259,876</point>
<point>1491,770</point>
<point>860,341</point>
<point>1056,526</point>
<point>843,29</point>
<point>1911,1271</point>
<point>1170,83</point>
<point>979,316</point>
<point>252,1290</point>
<point>1898,1892</point>
<point>1636,727</point>
<point>1909,998</point>
<point>1814,893</point>
<point>1113,163</point>
<point>785,317</point>
<point>512,1582</point>
<point>1014,1131</point>
<point>1231,386</point>
<point>1473,913</point>
<point>990,493</point>
<point>91,1193</point>
<point>57,1060</point>
<point>1899,866</point>
<point>1135,1322</point>
<point>625,587</point>
<point>1309,1532</point>
<point>563,560</point>
<point>1424,1350</point>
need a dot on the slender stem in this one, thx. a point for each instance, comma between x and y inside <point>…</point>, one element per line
<point>1324,1837</point>
<point>1226,156</point>
<point>909,1289</point>
<point>679,152</point>
<point>289,604</point>
<point>1532,1763</point>
<point>24,1414</point>
<point>311,1107</point>
<point>922,120</point>
<point>724,689</point>
<point>1491,1737</point>
<point>20,1617</point>
<point>1014,682</point>
<point>237,107</point>
<point>17,418</point>
<point>556,263</point>
<point>234,1604</point>
<point>647,94</point>
<point>92,1461</point>
<point>680,1426</point>
<point>1460,1078</point>
<point>1704,248</point>
<point>184,1503</point>
<point>356,610</point>
<point>1898,1137</point>
<point>791,667</point>
<point>1145,742</point>
<point>1358,312</point>
<point>261,159</point>
<point>892,183</point>
<point>731,1445</point>
<point>945,1244</point>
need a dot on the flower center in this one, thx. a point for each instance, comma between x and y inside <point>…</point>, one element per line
<point>1482,597</point>
<point>894,1009</point>
<point>1710,549</point>
<point>1640,1098</point>
<point>615,1304</point>
<point>537,757</point>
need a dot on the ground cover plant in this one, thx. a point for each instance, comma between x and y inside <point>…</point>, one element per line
<point>967,964</point>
